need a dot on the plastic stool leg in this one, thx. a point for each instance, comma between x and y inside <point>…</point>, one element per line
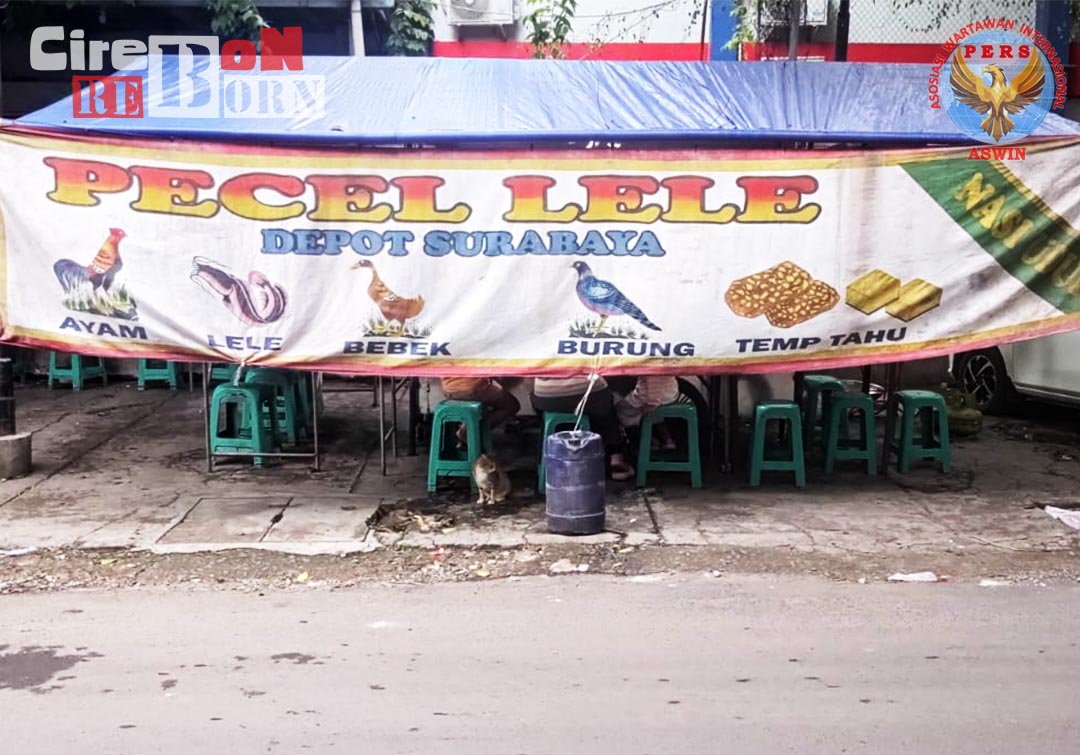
<point>797,456</point>
<point>907,431</point>
<point>694,451</point>
<point>869,441</point>
<point>644,450</point>
<point>832,438</point>
<point>946,450</point>
<point>757,453</point>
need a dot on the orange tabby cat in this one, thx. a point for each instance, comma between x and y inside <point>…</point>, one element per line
<point>492,482</point>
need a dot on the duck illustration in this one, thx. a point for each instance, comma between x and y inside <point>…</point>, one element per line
<point>604,299</point>
<point>394,308</point>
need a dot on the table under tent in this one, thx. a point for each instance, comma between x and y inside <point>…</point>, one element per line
<point>481,182</point>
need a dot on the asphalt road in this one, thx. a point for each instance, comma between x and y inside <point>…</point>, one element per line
<point>689,664</point>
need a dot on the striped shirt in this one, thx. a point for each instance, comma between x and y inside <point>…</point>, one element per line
<point>561,387</point>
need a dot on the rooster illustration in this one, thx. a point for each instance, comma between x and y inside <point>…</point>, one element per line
<point>100,273</point>
<point>393,307</point>
<point>1002,97</point>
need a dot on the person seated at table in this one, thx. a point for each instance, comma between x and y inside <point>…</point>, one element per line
<point>499,404</point>
<point>649,393</point>
<point>564,395</point>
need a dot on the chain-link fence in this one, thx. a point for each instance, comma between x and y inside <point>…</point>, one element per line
<point>927,21</point>
<point>877,31</point>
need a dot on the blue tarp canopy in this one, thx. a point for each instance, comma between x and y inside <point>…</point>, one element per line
<point>387,101</point>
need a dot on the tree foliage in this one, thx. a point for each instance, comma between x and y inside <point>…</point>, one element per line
<point>411,28</point>
<point>549,23</point>
<point>236,19</point>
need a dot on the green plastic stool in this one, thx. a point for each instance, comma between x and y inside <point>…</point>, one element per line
<point>553,421</point>
<point>930,409</point>
<point>285,410</point>
<point>79,371</point>
<point>223,373</point>
<point>816,392</point>
<point>646,463</point>
<point>159,371</point>
<point>789,457</point>
<point>237,423</point>
<point>478,439</point>
<point>838,445</point>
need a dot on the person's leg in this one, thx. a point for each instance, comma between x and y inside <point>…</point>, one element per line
<point>461,433</point>
<point>629,411</point>
<point>500,403</point>
<point>605,422</point>
<point>667,442</point>
<point>506,407</point>
<point>601,410</point>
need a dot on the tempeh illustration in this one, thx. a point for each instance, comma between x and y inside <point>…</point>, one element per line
<point>786,294</point>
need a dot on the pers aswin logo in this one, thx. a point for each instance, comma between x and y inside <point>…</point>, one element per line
<point>183,77</point>
<point>997,80</point>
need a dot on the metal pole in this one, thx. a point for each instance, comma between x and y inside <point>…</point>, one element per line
<point>892,381</point>
<point>393,410</point>
<point>7,392</point>
<point>793,32</point>
<point>206,416</point>
<point>843,22</point>
<point>315,418</point>
<point>382,423</point>
<point>357,18</point>
<point>705,4</point>
<point>731,420</point>
<point>714,413</point>
<point>3,16</point>
<point>414,413</point>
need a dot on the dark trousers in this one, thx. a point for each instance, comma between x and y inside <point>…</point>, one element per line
<point>600,409</point>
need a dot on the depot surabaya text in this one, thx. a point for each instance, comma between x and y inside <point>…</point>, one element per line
<point>203,65</point>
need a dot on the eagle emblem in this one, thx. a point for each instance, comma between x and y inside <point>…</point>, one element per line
<point>1001,98</point>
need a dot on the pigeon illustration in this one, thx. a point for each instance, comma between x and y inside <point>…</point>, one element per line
<point>604,299</point>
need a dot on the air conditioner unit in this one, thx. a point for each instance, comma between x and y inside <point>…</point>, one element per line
<point>480,12</point>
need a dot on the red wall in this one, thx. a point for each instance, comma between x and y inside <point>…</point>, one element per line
<point>576,50</point>
<point>857,53</point>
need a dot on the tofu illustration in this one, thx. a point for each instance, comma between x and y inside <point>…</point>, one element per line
<point>873,291</point>
<point>917,297</point>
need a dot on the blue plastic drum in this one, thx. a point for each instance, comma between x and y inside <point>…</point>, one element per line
<point>575,483</point>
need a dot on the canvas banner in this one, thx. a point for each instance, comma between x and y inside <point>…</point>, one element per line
<point>432,262</point>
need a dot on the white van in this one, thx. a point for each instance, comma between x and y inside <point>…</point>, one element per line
<point>1043,368</point>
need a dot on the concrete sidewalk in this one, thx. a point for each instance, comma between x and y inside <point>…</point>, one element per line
<point>115,467</point>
